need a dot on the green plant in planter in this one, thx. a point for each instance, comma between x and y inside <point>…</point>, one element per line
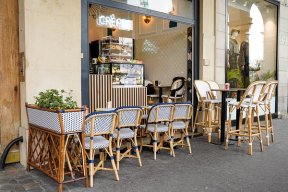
<point>54,99</point>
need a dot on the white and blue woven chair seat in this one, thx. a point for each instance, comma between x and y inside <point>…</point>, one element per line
<point>125,133</point>
<point>160,127</point>
<point>178,125</point>
<point>171,97</point>
<point>244,104</point>
<point>213,101</point>
<point>99,142</point>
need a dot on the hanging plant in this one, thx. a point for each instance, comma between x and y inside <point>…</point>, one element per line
<point>54,99</point>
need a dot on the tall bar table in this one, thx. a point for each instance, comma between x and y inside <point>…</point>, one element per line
<point>224,108</point>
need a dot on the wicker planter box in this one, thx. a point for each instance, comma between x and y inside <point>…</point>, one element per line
<point>55,143</point>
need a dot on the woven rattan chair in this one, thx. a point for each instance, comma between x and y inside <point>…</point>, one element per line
<point>268,92</point>
<point>179,95</point>
<point>158,125</point>
<point>248,105</point>
<point>99,129</point>
<point>129,119</point>
<point>181,118</point>
<point>216,95</point>
<point>207,104</point>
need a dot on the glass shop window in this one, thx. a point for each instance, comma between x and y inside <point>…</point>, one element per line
<point>252,42</point>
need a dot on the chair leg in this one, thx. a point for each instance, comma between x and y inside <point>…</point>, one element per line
<point>171,135</point>
<point>209,127</point>
<point>259,129</point>
<point>266,125</point>
<point>188,140</point>
<point>155,144</point>
<point>250,149</point>
<point>91,166</point>
<point>195,120</point>
<point>228,129</point>
<point>240,128</point>
<point>118,153</point>
<point>110,153</point>
<point>137,149</point>
<point>219,123</point>
<point>270,124</point>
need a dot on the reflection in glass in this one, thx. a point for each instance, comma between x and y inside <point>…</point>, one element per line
<point>252,29</point>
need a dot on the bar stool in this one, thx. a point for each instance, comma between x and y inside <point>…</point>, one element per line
<point>98,127</point>
<point>206,104</point>
<point>158,125</point>
<point>128,118</point>
<point>268,92</point>
<point>181,118</point>
<point>248,105</point>
<point>216,95</point>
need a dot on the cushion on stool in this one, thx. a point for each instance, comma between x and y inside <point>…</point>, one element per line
<point>99,142</point>
<point>125,133</point>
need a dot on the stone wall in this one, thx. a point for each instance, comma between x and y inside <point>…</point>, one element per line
<point>283,61</point>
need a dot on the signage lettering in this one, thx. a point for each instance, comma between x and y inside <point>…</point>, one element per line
<point>112,22</point>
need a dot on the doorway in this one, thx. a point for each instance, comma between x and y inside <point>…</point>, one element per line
<point>164,46</point>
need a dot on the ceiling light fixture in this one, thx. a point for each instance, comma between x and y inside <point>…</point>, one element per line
<point>147,18</point>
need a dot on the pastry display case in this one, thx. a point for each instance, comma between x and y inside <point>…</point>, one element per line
<point>123,73</point>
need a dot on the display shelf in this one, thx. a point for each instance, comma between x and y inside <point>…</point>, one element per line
<point>123,73</point>
<point>122,46</point>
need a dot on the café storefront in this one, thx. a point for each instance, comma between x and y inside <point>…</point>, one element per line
<point>125,43</point>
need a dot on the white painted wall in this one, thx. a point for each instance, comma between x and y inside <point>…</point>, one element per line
<point>50,36</point>
<point>52,46</point>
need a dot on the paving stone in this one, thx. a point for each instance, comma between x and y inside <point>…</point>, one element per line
<point>209,168</point>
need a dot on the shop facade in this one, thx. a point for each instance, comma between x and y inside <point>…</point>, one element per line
<point>55,39</point>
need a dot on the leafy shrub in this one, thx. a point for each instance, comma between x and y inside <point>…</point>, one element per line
<point>54,99</point>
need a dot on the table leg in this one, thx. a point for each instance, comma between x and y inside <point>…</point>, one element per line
<point>238,111</point>
<point>160,95</point>
<point>223,116</point>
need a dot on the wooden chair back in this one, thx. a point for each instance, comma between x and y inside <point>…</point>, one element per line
<point>161,113</point>
<point>100,123</point>
<point>268,91</point>
<point>252,93</point>
<point>202,90</point>
<point>214,94</point>
<point>182,111</point>
<point>175,85</point>
<point>129,116</point>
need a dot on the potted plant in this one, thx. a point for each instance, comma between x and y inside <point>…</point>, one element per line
<point>56,137</point>
<point>56,112</point>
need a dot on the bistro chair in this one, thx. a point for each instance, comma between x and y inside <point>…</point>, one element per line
<point>207,104</point>
<point>177,91</point>
<point>248,105</point>
<point>158,125</point>
<point>181,117</point>
<point>267,94</point>
<point>215,95</point>
<point>99,129</point>
<point>129,120</point>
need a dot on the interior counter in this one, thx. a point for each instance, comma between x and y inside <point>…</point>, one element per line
<point>101,91</point>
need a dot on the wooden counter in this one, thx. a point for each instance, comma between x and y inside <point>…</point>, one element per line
<point>102,91</point>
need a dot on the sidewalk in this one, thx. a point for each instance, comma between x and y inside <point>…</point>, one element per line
<point>209,168</point>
